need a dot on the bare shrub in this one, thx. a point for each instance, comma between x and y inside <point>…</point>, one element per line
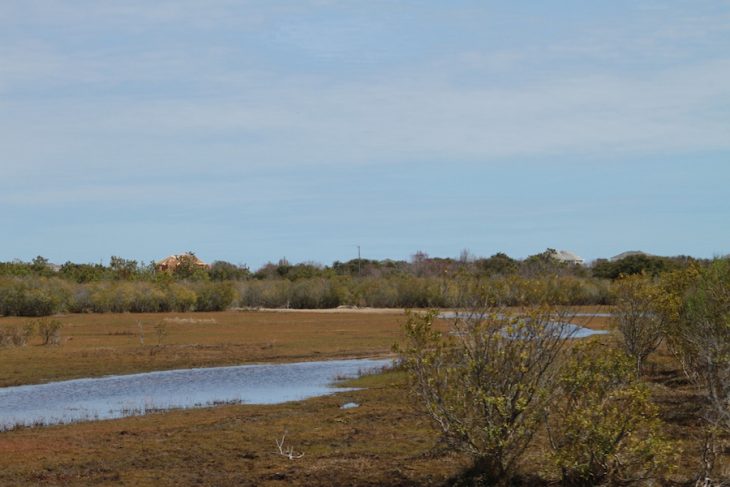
<point>140,327</point>
<point>161,331</point>
<point>49,331</point>
<point>15,335</point>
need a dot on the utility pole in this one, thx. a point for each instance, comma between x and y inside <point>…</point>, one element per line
<point>358,261</point>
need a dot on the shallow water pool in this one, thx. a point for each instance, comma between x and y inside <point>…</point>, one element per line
<point>567,330</point>
<point>126,395</point>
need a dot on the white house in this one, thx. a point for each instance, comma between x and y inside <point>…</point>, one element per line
<point>567,257</point>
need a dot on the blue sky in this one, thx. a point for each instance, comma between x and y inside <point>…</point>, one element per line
<point>253,130</point>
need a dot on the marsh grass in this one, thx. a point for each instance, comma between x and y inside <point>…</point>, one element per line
<point>105,344</point>
<point>385,441</point>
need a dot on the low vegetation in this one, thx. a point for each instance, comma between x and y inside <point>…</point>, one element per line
<point>699,337</point>
<point>602,425</point>
<point>49,332</point>
<point>94,345</point>
<point>39,289</point>
<point>498,395</point>
<point>638,316</point>
<point>501,374</point>
<point>486,385</point>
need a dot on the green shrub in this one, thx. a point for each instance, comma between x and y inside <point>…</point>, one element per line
<point>31,296</point>
<point>179,298</point>
<point>214,296</point>
<point>698,333</point>
<point>41,296</point>
<point>603,427</point>
<point>275,294</point>
<point>485,385</point>
<point>313,293</point>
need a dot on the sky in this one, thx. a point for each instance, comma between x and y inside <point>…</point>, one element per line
<point>248,130</point>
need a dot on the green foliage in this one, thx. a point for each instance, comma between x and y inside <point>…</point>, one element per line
<point>603,427</point>
<point>36,289</point>
<point>214,296</point>
<point>124,269</point>
<point>225,271</point>
<point>313,294</point>
<point>82,272</point>
<point>425,282</point>
<point>284,270</point>
<point>487,383</point>
<point>633,264</point>
<point>179,298</point>
<point>543,264</point>
<point>268,294</point>
<point>367,267</point>
<point>375,293</point>
<point>499,264</point>
<point>15,268</point>
<point>189,268</point>
<point>41,267</point>
<point>639,316</point>
<point>31,296</point>
<point>698,331</point>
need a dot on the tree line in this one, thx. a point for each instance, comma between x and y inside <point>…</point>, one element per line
<point>37,288</point>
<point>419,265</point>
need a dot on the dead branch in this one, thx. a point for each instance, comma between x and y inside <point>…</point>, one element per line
<point>287,452</point>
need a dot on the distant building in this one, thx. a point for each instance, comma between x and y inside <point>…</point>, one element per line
<point>630,253</point>
<point>567,257</point>
<point>172,262</point>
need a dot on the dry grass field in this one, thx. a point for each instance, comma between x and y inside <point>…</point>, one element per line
<point>101,344</point>
<point>385,441</point>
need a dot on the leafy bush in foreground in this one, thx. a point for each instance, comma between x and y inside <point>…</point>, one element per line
<point>698,333</point>
<point>486,384</point>
<point>638,316</point>
<point>603,427</point>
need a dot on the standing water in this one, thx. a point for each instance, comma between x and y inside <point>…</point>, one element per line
<point>567,330</point>
<point>126,395</point>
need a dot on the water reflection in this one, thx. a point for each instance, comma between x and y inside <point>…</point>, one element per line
<point>126,395</point>
<point>566,330</point>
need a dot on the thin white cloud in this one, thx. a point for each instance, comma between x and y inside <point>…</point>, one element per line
<point>88,15</point>
<point>288,124</point>
<point>189,102</point>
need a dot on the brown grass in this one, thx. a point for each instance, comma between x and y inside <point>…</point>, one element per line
<point>94,345</point>
<point>100,344</point>
<point>383,442</point>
